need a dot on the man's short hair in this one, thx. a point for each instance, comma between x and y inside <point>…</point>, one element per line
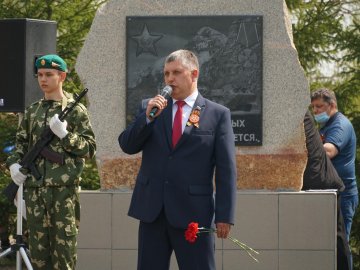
<point>327,95</point>
<point>186,57</point>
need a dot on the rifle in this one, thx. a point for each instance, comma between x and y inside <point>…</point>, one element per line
<point>40,148</point>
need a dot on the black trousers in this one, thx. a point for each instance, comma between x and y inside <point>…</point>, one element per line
<point>157,241</point>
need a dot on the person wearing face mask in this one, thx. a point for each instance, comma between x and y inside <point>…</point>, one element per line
<point>339,141</point>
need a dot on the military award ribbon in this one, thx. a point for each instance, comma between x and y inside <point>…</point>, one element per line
<point>194,117</point>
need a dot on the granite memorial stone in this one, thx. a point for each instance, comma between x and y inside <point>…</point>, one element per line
<point>248,63</point>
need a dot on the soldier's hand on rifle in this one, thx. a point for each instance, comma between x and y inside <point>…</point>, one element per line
<point>58,127</point>
<point>17,176</point>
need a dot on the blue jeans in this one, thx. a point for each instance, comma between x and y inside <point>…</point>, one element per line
<point>348,207</point>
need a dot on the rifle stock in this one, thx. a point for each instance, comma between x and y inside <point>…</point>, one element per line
<point>28,161</point>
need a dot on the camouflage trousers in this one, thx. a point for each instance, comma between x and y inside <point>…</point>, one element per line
<point>53,215</point>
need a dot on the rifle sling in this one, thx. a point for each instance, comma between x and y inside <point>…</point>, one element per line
<point>53,156</point>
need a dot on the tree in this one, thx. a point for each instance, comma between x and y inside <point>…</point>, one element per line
<point>315,27</point>
<point>325,31</point>
<point>8,124</point>
<point>329,32</point>
<point>73,19</point>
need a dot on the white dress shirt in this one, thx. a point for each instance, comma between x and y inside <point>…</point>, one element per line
<point>190,101</point>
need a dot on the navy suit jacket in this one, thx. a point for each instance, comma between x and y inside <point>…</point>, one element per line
<point>181,180</point>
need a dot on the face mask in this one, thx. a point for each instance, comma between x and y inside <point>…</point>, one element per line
<point>322,118</point>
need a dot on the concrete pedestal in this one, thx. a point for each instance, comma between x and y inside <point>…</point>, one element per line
<point>291,230</point>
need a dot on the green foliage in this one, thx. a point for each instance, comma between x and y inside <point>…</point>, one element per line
<point>73,19</point>
<point>324,31</point>
<point>90,176</point>
<point>8,124</point>
<point>329,31</point>
<point>316,24</point>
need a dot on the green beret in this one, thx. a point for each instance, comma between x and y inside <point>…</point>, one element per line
<point>51,61</point>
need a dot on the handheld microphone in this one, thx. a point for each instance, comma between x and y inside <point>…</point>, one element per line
<point>166,92</point>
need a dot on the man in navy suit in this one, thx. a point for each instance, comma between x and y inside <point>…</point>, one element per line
<point>176,183</point>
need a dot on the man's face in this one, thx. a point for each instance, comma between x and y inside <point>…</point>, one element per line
<point>50,80</point>
<point>181,79</point>
<point>319,105</point>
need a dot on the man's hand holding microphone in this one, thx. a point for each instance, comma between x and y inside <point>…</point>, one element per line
<point>158,103</point>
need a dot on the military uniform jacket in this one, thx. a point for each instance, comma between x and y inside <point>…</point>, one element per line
<point>75,146</point>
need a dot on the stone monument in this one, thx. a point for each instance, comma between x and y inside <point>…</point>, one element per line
<point>276,164</point>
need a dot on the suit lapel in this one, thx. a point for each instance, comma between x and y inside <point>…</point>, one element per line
<point>167,123</point>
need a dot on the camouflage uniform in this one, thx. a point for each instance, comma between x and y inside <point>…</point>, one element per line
<point>52,203</point>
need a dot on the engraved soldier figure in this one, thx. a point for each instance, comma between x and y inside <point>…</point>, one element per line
<point>52,202</point>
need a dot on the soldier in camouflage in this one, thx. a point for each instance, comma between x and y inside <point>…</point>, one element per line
<point>52,203</point>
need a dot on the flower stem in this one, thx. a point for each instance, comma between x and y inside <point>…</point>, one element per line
<point>245,247</point>
<point>250,251</point>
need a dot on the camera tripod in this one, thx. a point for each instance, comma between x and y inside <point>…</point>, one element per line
<point>19,245</point>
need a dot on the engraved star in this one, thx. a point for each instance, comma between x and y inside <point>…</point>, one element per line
<point>146,42</point>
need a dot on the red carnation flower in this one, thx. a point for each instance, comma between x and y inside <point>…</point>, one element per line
<point>191,232</point>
